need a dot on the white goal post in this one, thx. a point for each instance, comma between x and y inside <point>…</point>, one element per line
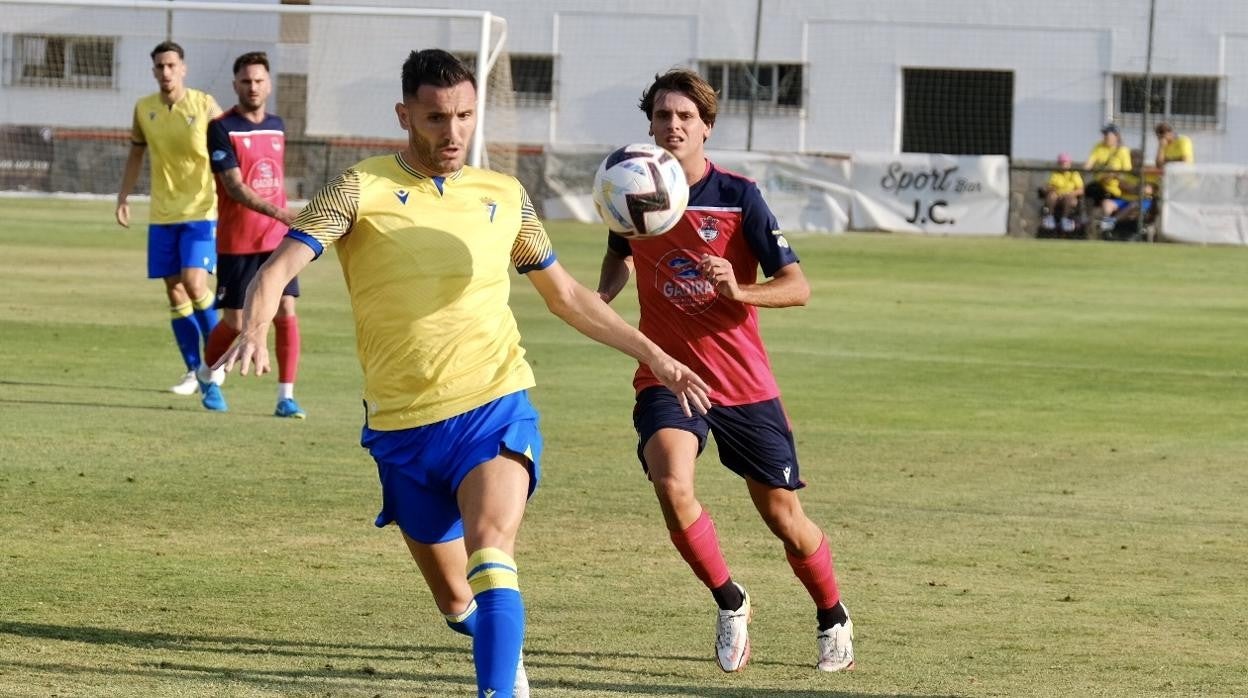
<point>73,69</point>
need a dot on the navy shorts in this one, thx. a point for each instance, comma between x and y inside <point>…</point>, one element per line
<point>172,247</point>
<point>421,468</point>
<point>754,440</point>
<point>234,275</point>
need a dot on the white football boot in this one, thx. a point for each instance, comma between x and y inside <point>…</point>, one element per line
<point>186,385</point>
<point>836,648</point>
<point>732,635</point>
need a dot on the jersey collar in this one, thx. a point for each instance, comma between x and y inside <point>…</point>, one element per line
<point>420,175</point>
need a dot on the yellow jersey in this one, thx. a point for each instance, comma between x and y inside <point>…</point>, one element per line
<point>1179,150</point>
<point>176,137</point>
<point>1066,181</point>
<point>1117,159</point>
<point>427,265</point>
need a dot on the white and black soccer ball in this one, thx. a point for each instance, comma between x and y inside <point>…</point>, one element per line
<point>640,191</point>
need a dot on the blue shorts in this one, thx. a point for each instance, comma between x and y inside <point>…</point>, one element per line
<point>420,468</point>
<point>754,440</point>
<point>172,247</point>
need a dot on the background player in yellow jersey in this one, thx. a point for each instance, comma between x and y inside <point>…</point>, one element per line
<point>425,245</point>
<point>181,235</point>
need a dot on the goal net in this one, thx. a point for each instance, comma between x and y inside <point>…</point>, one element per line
<point>73,69</point>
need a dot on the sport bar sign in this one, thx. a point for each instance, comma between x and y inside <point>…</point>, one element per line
<point>934,194</point>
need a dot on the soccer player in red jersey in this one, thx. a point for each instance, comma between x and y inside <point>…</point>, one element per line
<point>246,146</point>
<point>699,294</point>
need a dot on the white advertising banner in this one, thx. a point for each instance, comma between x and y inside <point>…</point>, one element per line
<point>1205,204</point>
<point>805,192</point>
<point>933,194</point>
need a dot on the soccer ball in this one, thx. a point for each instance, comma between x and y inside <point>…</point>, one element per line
<point>640,191</point>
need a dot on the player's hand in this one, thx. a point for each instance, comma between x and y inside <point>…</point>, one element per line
<point>718,271</point>
<point>123,214</point>
<point>247,352</point>
<point>689,388</point>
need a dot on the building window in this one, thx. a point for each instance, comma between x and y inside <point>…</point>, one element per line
<point>533,78</point>
<point>779,85</point>
<point>529,82</point>
<point>52,60</point>
<point>1191,103</point>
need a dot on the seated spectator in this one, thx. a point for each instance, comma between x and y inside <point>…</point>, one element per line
<point>1137,200</point>
<point>1108,159</point>
<point>1171,147</point>
<point>1061,198</point>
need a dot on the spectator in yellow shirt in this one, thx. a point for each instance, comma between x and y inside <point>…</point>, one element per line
<point>1171,147</point>
<point>1061,197</point>
<point>1109,158</point>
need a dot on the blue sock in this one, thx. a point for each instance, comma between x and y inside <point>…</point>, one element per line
<point>186,334</point>
<point>205,315</point>
<point>499,633</point>
<point>463,623</point>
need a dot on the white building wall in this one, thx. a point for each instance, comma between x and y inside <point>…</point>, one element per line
<point>1062,53</point>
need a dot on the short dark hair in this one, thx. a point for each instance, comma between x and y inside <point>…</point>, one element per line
<point>166,47</point>
<point>436,67</point>
<point>688,83</point>
<point>251,58</point>
<point>1162,128</point>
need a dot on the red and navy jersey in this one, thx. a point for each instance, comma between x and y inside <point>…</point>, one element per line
<point>258,151</point>
<point>680,309</point>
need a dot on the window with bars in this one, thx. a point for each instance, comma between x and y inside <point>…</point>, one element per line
<point>529,79</point>
<point>1185,102</point>
<point>57,60</point>
<point>779,85</point>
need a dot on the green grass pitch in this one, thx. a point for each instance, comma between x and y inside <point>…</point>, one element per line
<point>1030,458</point>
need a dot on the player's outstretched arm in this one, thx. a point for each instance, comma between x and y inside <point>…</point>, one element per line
<point>263,296</point>
<point>614,275</point>
<point>586,312</point>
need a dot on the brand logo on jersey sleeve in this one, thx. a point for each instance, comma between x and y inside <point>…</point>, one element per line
<point>218,155</point>
<point>401,195</point>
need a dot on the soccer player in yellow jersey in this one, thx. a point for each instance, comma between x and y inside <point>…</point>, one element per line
<point>181,235</point>
<point>1061,196</point>
<point>425,245</point>
<point>1171,147</point>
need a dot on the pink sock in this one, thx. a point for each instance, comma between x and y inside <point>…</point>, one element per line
<point>286,346</point>
<point>699,545</point>
<point>219,342</point>
<point>817,575</point>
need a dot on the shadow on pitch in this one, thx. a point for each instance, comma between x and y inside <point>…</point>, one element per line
<point>80,386</point>
<point>352,664</point>
<point>101,405</point>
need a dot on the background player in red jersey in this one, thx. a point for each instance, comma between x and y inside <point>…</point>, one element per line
<point>246,146</point>
<point>698,290</point>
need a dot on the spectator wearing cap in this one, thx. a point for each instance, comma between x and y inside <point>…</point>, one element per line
<point>1061,197</point>
<point>1108,159</point>
<point>1171,147</point>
